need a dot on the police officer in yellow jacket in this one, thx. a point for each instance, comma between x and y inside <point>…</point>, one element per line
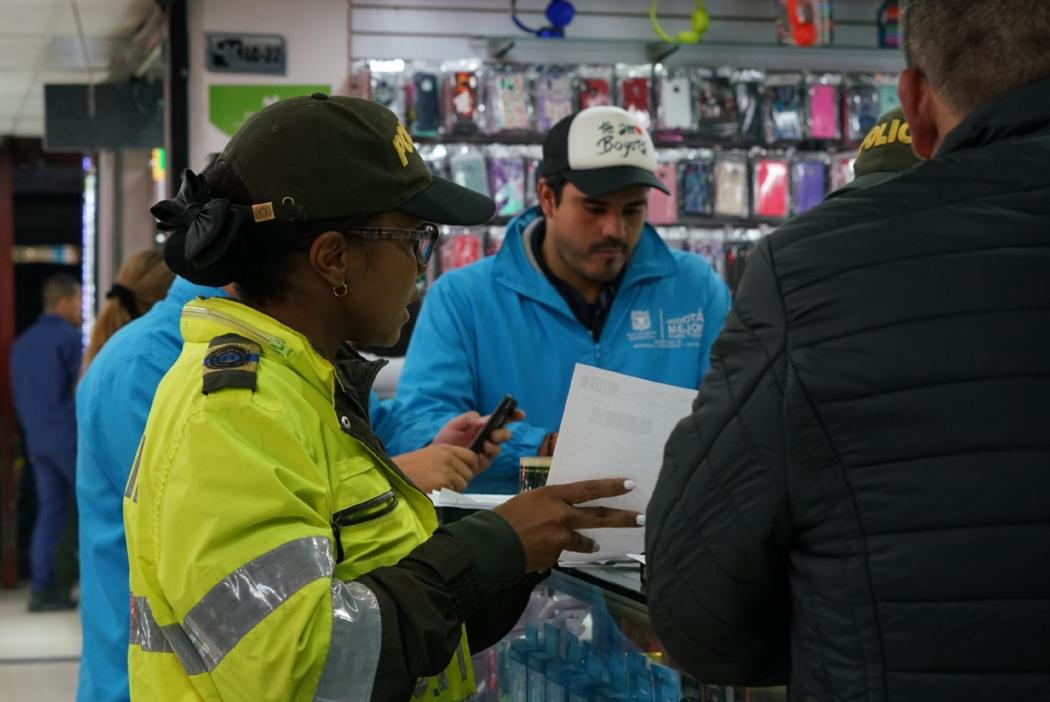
<point>276,552</point>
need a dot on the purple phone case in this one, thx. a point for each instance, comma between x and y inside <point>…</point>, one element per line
<point>810,190</point>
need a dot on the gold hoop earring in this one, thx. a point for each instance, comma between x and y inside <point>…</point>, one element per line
<point>340,290</point>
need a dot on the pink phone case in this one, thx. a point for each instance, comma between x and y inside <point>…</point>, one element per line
<point>663,209</point>
<point>824,111</point>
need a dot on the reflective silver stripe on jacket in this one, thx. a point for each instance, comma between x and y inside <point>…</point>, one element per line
<point>145,632</point>
<point>154,638</point>
<point>216,624</point>
<point>353,655</point>
<point>243,598</point>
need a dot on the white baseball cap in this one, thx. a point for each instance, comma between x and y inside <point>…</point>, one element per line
<point>601,150</point>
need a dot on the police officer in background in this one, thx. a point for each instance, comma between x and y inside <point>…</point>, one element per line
<point>884,154</point>
<point>275,550</point>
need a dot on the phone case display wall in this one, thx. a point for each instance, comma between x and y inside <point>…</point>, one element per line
<point>756,185</point>
<point>703,106</point>
<point>579,642</point>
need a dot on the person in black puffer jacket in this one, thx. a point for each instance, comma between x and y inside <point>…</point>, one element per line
<point>859,506</point>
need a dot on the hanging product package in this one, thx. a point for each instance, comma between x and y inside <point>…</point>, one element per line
<point>533,162</point>
<point>425,90</point>
<point>461,247</point>
<point>675,101</point>
<point>809,177</point>
<point>436,158</point>
<point>634,91</point>
<point>663,207</point>
<point>842,171</point>
<point>709,244</point>
<point>506,166</point>
<point>748,87</point>
<point>594,86</point>
<point>508,100</point>
<point>732,191</point>
<point>462,97</point>
<point>784,115</point>
<point>887,87</point>
<point>697,180</point>
<point>862,107</point>
<point>387,87</point>
<point>494,236</point>
<point>803,22</point>
<point>467,168</point>
<point>823,101</point>
<point>676,238</point>
<point>716,103</point>
<point>554,96</point>
<point>359,80</point>
<point>771,187</point>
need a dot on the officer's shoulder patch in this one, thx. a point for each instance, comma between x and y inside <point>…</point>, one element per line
<point>231,362</point>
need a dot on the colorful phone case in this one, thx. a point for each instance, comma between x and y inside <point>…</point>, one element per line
<point>465,100</point>
<point>507,184</point>
<point>593,92</point>
<point>809,178</point>
<point>824,111</point>
<point>553,99</point>
<point>663,208</point>
<point>732,194</point>
<point>696,188</point>
<point>771,188</point>
<point>676,103</point>
<point>511,102</point>
<point>426,105</point>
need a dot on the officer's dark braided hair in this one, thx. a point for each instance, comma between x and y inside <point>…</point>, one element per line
<point>261,276</point>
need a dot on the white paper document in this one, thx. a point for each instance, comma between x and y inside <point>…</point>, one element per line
<point>451,498</point>
<point>615,426</point>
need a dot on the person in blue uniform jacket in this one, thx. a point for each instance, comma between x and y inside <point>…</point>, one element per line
<point>112,404</point>
<point>45,364</point>
<point>580,279</point>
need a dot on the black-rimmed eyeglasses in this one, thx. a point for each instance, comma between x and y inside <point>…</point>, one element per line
<point>424,239</point>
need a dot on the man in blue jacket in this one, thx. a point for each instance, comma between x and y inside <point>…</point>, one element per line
<point>581,279</point>
<point>45,364</point>
<point>112,403</point>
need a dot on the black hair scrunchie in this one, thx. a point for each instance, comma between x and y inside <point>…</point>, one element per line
<point>201,232</point>
<point>126,298</point>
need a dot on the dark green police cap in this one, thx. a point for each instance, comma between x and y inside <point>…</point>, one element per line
<point>885,153</point>
<point>340,157</point>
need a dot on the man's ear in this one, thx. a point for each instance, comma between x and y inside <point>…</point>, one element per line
<point>548,203</point>
<point>918,104</point>
<point>329,256</point>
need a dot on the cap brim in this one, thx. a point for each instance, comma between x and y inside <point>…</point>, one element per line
<point>444,202</point>
<point>598,182</point>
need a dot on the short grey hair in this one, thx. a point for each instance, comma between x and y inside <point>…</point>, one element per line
<point>58,287</point>
<point>973,50</point>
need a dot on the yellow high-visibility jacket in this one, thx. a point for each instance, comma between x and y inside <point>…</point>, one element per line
<point>277,553</point>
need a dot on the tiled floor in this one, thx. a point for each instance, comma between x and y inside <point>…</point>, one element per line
<point>39,653</point>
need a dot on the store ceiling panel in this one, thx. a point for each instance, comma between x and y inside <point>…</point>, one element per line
<point>39,44</point>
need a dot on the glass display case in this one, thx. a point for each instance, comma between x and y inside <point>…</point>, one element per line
<point>585,636</point>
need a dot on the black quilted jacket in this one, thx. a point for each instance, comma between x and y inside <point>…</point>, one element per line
<point>860,503</point>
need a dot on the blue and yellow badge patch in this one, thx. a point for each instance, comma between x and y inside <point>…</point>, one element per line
<point>232,362</point>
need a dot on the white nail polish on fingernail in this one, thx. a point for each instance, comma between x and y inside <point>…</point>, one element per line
<point>640,520</point>
<point>630,484</point>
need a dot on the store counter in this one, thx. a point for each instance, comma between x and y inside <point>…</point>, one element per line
<point>586,637</point>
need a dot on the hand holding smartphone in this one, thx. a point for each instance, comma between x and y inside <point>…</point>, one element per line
<point>503,412</point>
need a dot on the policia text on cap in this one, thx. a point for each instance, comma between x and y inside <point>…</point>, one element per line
<point>276,553</point>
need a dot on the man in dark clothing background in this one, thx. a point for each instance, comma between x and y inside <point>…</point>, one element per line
<point>860,504</point>
<point>45,365</point>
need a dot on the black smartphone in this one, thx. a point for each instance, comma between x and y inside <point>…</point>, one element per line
<point>503,412</point>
